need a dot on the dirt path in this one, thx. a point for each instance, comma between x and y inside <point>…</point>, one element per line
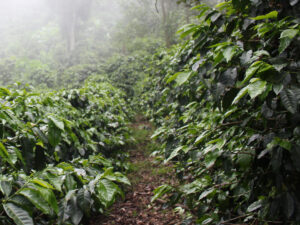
<point>146,175</point>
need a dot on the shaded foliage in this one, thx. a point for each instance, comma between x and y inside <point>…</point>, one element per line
<point>227,109</point>
<point>61,153</point>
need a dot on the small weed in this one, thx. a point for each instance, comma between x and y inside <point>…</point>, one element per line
<point>140,166</point>
<point>134,213</point>
<point>140,135</point>
<point>162,171</point>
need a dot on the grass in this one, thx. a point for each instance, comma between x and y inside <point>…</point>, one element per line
<point>134,213</point>
<point>141,133</point>
<point>141,166</point>
<point>162,171</point>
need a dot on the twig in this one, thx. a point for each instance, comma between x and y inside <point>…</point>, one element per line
<point>182,206</point>
<point>278,222</point>
<point>229,124</point>
<point>236,218</point>
<point>224,184</point>
<point>161,201</point>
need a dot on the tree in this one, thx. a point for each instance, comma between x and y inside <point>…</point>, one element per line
<point>171,14</point>
<point>72,14</point>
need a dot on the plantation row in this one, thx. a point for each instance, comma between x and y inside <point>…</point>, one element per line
<point>226,103</point>
<point>61,153</point>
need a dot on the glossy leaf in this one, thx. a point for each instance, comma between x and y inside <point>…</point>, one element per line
<point>84,199</point>
<point>57,122</point>
<point>254,206</point>
<point>6,187</point>
<point>240,95</point>
<point>19,215</point>
<point>251,71</point>
<point>42,183</point>
<point>50,198</point>
<point>107,191</point>
<point>37,199</point>
<point>229,52</point>
<point>270,15</point>
<point>256,88</point>
<point>5,155</point>
<point>289,100</point>
<point>286,38</point>
<point>174,153</point>
<point>160,191</point>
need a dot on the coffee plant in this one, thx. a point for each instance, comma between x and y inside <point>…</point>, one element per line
<point>226,103</point>
<point>62,153</point>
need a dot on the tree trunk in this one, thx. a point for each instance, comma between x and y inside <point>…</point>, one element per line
<point>72,32</point>
<point>187,14</point>
<point>165,23</point>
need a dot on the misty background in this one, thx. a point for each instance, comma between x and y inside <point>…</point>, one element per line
<point>60,43</point>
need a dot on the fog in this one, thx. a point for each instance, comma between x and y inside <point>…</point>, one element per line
<point>48,42</point>
<point>20,11</point>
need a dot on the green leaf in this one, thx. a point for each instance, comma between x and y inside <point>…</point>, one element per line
<point>54,135</point>
<point>201,138</point>
<point>157,133</point>
<point>240,95</point>
<point>285,144</point>
<point>5,155</point>
<point>256,88</point>
<point>245,159</point>
<point>289,100</point>
<point>183,77</point>
<point>40,134</point>
<point>218,58</point>
<point>119,177</point>
<point>191,188</point>
<point>17,214</point>
<point>289,205</point>
<point>270,15</point>
<point>180,77</point>
<point>207,221</point>
<point>6,187</point>
<point>289,33</point>
<point>229,52</point>
<point>254,206</point>
<point>277,88</point>
<point>74,211</point>
<point>36,198</point>
<point>122,178</point>
<point>23,202</point>
<point>3,152</point>
<point>4,92</point>
<point>284,43</point>
<point>173,77</point>
<point>209,192</point>
<point>57,122</point>
<point>251,71</point>
<point>174,153</point>
<point>70,182</point>
<point>56,181</point>
<point>49,196</point>
<point>286,38</point>
<point>42,183</point>
<point>84,200</point>
<point>106,192</point>
<point>160,191</point>
<point>211,157</point>
<point>187,29</point>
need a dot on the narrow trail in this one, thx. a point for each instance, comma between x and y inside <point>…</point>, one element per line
<point>146,174</point>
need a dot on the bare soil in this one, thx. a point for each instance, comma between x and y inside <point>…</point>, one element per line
<point>146,175</point>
